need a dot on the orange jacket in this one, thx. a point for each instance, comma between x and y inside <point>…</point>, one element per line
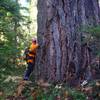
<point>32,53</point>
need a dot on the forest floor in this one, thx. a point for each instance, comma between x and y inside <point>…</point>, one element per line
<point>12,87</point>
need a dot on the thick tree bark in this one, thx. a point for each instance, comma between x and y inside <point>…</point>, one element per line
<point>60,53</point>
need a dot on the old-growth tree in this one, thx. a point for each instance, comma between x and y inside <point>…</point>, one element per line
<point>61,52</point>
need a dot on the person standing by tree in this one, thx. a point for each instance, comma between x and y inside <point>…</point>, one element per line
<point>31,54</point>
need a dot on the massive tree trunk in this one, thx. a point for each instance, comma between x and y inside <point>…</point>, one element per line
<point>61,53</point>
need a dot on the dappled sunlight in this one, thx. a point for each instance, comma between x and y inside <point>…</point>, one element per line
<point>13,79</point>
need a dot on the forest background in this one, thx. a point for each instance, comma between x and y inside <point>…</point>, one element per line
<point>18,24</point>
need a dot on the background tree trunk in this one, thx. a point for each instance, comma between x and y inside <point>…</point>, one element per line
<point>61,53</point>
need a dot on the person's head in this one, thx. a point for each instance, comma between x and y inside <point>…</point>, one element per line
<point>34,40</point>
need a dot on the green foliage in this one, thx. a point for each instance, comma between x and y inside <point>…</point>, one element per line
<point>52,92</point>
<point>7,85</point>
<point>91,31</point>
<point>11,32</point>
<point>91,35</point>
<point>94,31</point>
<point>12,42</point>
<point>78,95</point>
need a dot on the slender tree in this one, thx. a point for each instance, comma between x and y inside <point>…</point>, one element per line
<point>61,54</point>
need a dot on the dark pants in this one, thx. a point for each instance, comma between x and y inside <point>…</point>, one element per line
<point>28,71</point>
